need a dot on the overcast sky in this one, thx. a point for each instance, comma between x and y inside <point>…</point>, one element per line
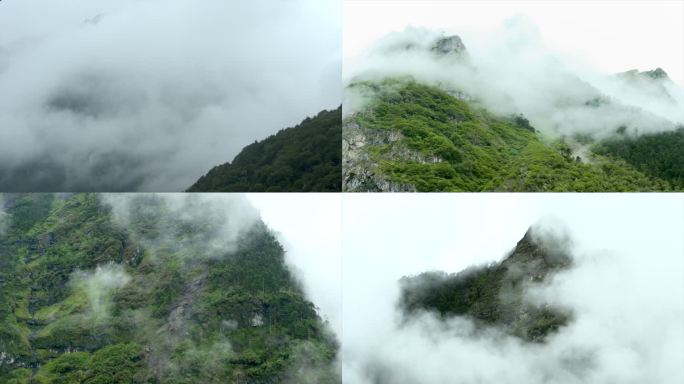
<point>611,36</point>
<point>149,94</point>
<point>627,291</point>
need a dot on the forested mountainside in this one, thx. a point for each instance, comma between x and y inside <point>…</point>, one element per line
<point>150,289</point>
<point>416,137</point>
<point>305,158</point>
<point>411,134</point>
<point>493,295</point>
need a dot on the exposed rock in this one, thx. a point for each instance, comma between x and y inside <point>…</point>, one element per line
<point>449,45</point>
<point>361,169</point>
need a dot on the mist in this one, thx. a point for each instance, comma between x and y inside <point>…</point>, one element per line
<point>212,226</point>
<point>98,286</point>
<point>510,70</point>
<point>4,217</point>
<point>149,95</point>
<point>625,289</point>
<point>212,223</point>
<point>309,228</point>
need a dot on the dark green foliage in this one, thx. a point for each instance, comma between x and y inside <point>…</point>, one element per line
<point>190,313</point>
<point>660,154</point>
<point>305,158</point>
<point>449,144</point>
<point>492,295</point>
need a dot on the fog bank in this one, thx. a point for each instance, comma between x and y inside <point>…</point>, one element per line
<point>626,289</point>
<point>148,95</point>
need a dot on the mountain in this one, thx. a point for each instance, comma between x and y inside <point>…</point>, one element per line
<point>417,131</point>
<point>305,158</point>
<point>151,289</point>
<point>493,295</point>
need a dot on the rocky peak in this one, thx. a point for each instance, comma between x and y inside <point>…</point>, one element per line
<point>657,73</point>
<point>449,45</point>
<point>537,254</point>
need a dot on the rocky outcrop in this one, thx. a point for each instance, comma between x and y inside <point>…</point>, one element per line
<point>449,45</point>
<point>361,165</point>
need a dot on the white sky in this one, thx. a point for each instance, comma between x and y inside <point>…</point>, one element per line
<point>310,225</point>
<point>410,233</point>
<point>611,36</point>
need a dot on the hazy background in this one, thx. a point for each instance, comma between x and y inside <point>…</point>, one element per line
<point>554,62</point>
<point>149,95</point>
<point>610,36</point>
<point>627,289</point>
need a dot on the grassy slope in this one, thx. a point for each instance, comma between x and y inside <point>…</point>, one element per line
<point>479,151</point>
<point>48,328</point>
<point>305,158</point>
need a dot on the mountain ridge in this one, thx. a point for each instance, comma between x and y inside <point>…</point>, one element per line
<point>304,158</point>
<point>493,295</point>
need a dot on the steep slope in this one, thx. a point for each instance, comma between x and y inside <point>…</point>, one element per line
<point>305,158</point>
<point>416,137</point>
<point>493,295</point>
<point>145,289</point>
<point>659,155</point>
<point>425,115</point>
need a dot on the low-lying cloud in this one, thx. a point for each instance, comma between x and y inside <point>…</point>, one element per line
<point>625,294</point>
<point>212,223</point>
<point>133,96</point>
<point>99,286</point>
<point>4,217</point>
<point>511,71</point>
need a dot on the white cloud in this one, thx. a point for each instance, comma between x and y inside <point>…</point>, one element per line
<point>149,95</point>
<point>309,227</point>
<point>609,36</point>
<point>512,71</point>
<point>627,290</point>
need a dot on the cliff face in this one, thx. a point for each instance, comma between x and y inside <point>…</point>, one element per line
<point>145,288</point>
<point>494,295</point>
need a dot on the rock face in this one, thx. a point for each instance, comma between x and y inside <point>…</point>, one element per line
<point>657,73</point>
<point>361,166</point>
<point>442,46</point>
<point>494,295</point>
<point>449,45</point>
<point>360,172</point>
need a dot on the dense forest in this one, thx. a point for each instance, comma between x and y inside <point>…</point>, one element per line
<point>305,158</point>
<point>660,154</point>
<point>416,137</point>
<point>149,293</point>
<point>493,295</point>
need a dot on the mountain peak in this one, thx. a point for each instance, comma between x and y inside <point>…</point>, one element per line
<point>540,251</point>
<point>657,73</point>
<point>449,45</point>
<point>494,294</point>
<point>417,40</point>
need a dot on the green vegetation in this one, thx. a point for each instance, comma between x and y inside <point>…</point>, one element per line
<point>305,158</point>
<point>87,299</point>
<point>660,154</point>
<point>449,144</point>
<point>492,295</point>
